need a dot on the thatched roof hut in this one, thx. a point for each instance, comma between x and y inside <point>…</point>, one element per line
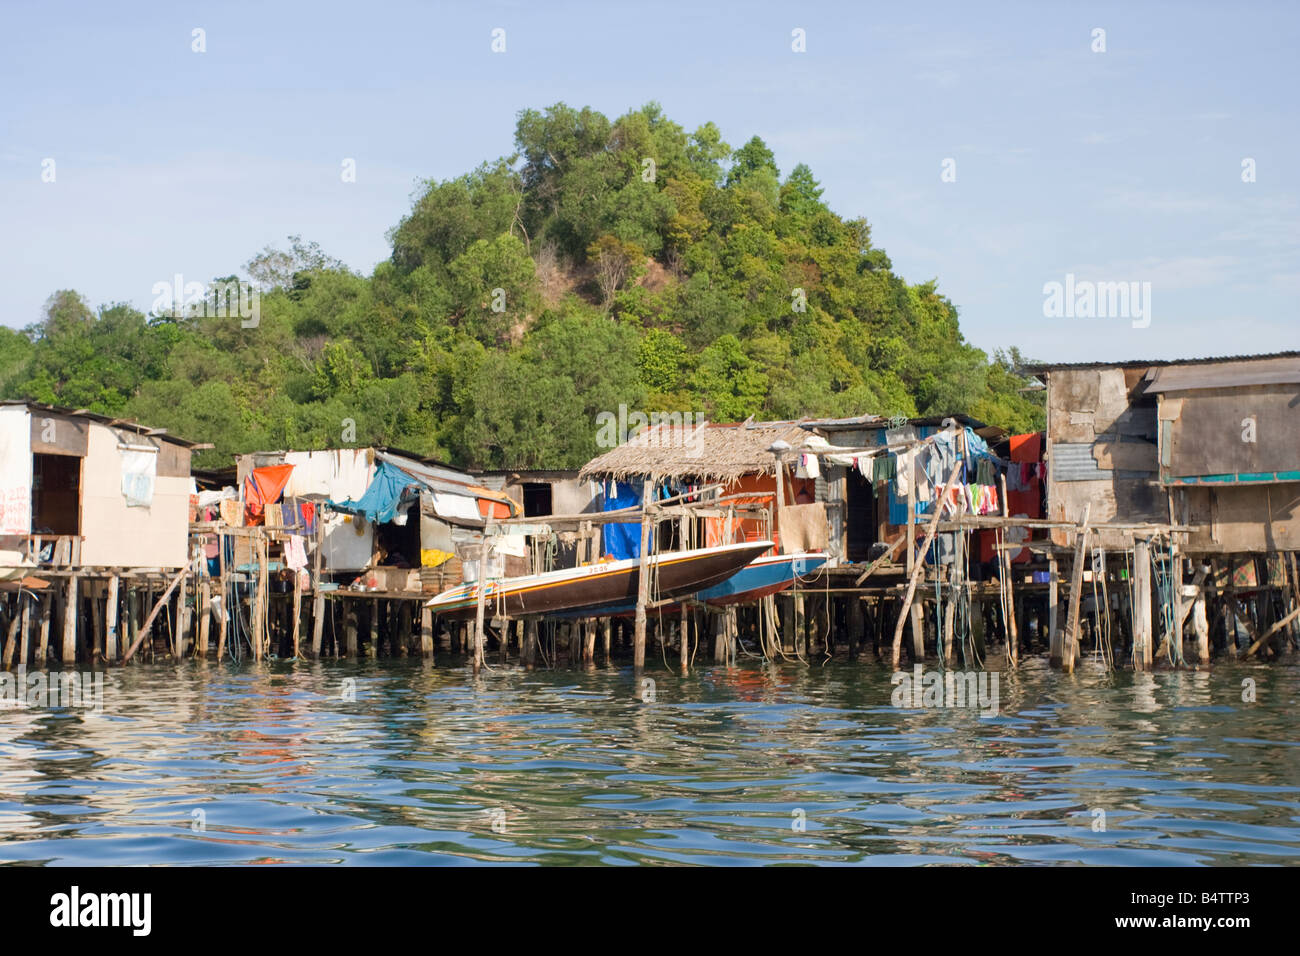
<point>711,452</point>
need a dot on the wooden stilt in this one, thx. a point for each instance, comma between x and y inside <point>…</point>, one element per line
<point>1141,604</point>
<point>11,639</point>
<point>24,642</point>
<point>686,640</point>
<point>205,617</point>
<point>317,622</point>
<point>297,611</point>
<point>426,632</point>
<point>1070,650</point>
<point>95,644</point>
<point>480,605</point>
<point>853,622</point>
<point>529,651</point>
<point>643,578</point>
<point>1201,628</point>
<point>350,632</point>
<point>43,640</point>
<point>148,622</point>
<point>69,655</point>
<point>914,575</point>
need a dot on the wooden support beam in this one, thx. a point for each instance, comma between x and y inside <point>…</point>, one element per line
<point>205,617</point>
<point>1070,651</point>
<point>148,622</point>
<point>893,549</point>
<point>28,601</point>
<point>480,601</point>
<point>43,643</point>
<point>426,632</point>
<point>1277,626</point>
<point>1142,648</point>
<point>1201,628</point>
<point>643,578</point>
<point>915,568</point>
<point>1055,633</point>
<point>297,611</point>
<point>70,610</point>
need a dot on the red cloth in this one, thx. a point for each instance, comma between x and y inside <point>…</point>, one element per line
<point>261,488</point>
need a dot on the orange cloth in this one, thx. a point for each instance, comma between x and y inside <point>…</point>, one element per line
<point>261,488</point>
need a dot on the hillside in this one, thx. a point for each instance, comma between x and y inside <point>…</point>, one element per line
<point>602,263</point>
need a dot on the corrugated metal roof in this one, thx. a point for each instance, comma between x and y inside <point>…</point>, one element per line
<point>124,423</point>
<point>1074,462</point>
<point>1272,371</point>
<point>1037,368</point>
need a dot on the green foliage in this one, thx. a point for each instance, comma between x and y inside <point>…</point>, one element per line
<point>604,263</point>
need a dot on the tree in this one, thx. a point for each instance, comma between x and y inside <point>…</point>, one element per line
<point>274,268</point>
<point>616,263</point>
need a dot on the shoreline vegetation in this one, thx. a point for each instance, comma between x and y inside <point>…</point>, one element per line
<point>603,263</point>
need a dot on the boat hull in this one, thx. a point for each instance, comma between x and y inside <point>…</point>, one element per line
<point>599,586</point>
<point>758,579</point>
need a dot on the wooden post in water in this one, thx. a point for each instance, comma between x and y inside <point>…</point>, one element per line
<point>1070,651</point>
<point>43,640</point>
<point>297,610</point>
<point>426,632</point>
<point>148,622</point>
<point>686,639</point>
<point>372,628</point>
<point>914,574</point>
<point>25,636</point>
<point>643,578</point>
<point>11,640</point>
<point>480,605</point>
<point>317,621</point>
<point>1201,628</point>
<point>350,631</point>
<point>1055,635</point>
<point>205,617</point>
<point>69,655</point>
<point>1141,604</point>
<point>96,628</point>
<point>529,650</point>
<point>259,598</point>
<point>1005,562</point>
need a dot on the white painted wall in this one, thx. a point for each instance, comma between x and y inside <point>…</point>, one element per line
<point>115,535</point>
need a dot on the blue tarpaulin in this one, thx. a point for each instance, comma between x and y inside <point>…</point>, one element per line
<point>380,502</point>
<point>622,540</point>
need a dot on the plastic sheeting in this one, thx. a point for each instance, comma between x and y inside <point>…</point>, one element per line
<point>461,507</point>
<point>261,488</point>
<point>139,469</point>
<point>622,539</point>
<point>382,499</point>
<point>342,474</point>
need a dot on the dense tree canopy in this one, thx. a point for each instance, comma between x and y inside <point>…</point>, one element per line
<point>603,263</point>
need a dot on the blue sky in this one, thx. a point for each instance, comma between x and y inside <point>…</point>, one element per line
<point>1123,165</point>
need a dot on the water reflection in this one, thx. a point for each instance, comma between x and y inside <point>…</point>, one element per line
<point>404,762</point>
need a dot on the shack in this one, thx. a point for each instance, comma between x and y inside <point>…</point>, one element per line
<point>372,528</point>
<point>740,457</point>
<point>97,505</point>
<point>1187,471</point>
